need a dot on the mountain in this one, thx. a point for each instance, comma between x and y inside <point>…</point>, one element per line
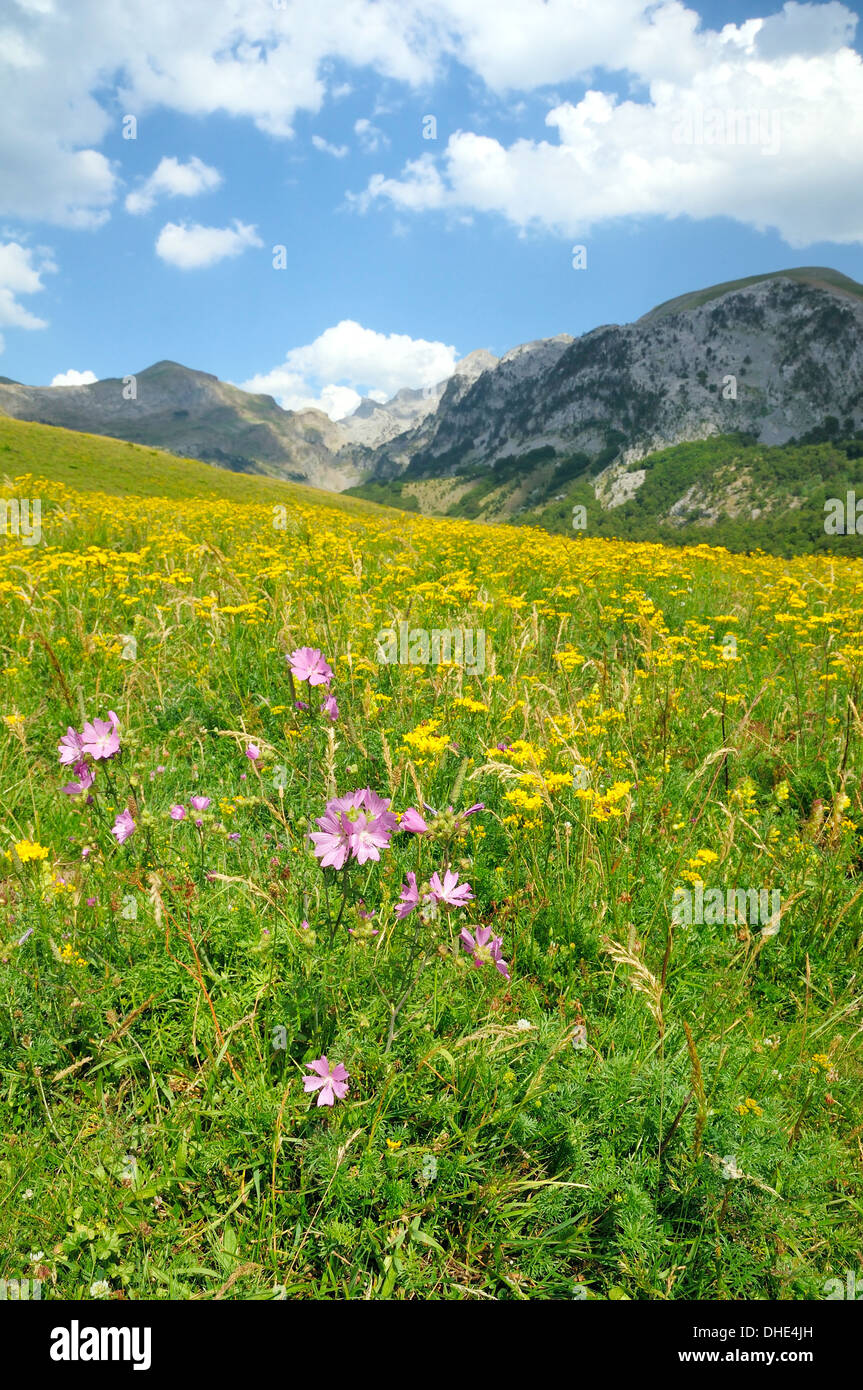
<point>763,361</point>
<point>196,415</point>
<point>774,357</point>
<point>374,423</point>
<point>819,276</point>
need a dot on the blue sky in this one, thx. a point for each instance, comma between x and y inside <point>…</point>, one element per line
<point>561,124</point>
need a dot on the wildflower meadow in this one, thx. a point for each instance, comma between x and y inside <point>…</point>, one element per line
<point>336,965</point>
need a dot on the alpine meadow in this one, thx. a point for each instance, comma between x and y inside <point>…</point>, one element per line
<point>431,679</point>
<point>457,895</point>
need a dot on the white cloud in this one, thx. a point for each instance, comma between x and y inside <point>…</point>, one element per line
<point>73,378</point>
<point>370,136</point>
<point>520,45</point>
<point>772,144</point>
<point>337,151</point>
<point>69,73</point>
<point>170,178</point>
<point>421,187</point>
<point>806,30</point>
<point>345,361</point>
<point>20,274</point>
<point>189,246</point>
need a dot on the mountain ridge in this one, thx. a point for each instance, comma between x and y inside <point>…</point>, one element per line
<point>820,276</point>
<point>773,356</point>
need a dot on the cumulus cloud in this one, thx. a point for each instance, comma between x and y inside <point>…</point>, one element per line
<point>69,72</point>
<point>347,362</point>
<point>189,246</point>
<point>805,30</point>
<point>170,178</point>
<point>518,45</point>
<point>371,138</point>
<point>73,378</point>
<point>773,145</point>
<point>337,151</point>
<point>21,272</point>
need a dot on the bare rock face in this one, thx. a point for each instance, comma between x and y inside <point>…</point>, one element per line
<point>617,484</point>
<point>374,423</point>
<point>773,359</point>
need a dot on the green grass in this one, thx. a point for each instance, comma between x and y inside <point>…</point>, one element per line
<point>643,1110</point>
<point>92,462</point>
<point>787,485</point>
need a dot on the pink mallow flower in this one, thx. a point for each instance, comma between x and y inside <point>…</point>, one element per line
<point>370,834</point>
<point>199,803</point>
<point>447,892</point>
<point>333,841</point>
<point>309,664</point>
<point>331,1083</point>
<point>413,821</point>
<point>177,812</point>
<point>100,737</point>
<point>356,826</point>
<point>485,949</point>
<point>123,827</point>
<point>409,898</point>
<point>253,752</point>
<point>330,708</point>
<point>85,778</point>
<point>70,749</point>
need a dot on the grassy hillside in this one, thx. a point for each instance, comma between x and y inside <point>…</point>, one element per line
<point>554,1084</point>
<point>94,463</point>
<point>726,490</point>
